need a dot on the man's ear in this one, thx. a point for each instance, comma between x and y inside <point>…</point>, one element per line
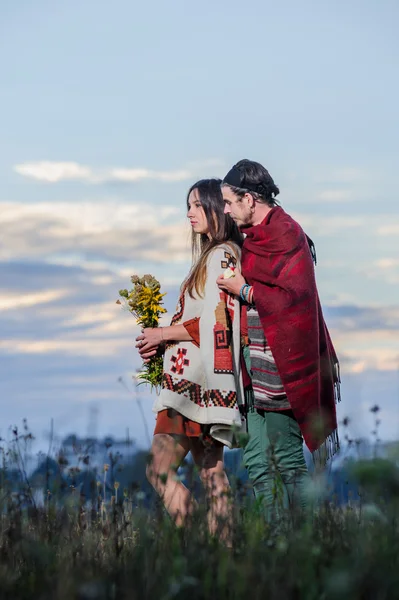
<point>250,199</point>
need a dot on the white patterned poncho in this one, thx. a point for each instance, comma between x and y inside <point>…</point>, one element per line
<point>204,383</point>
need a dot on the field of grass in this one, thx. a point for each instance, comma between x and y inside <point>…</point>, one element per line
<point>123,548</point>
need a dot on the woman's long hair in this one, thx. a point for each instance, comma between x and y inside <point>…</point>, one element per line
<point>222,229</point>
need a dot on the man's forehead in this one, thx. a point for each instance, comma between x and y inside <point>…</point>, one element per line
<point>228,193</point>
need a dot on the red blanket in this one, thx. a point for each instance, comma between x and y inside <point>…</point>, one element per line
<point>277,261</point>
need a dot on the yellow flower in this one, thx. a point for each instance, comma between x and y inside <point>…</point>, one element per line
<point>144,301</point>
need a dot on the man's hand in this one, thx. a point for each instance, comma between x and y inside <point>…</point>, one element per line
<point>233,284</point>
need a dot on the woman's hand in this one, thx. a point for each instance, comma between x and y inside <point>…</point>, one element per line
<point>147,356</point>
<point>233,284</point>
<point>148,341</point>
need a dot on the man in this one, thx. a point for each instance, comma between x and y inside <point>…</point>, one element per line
<point>294,368</point>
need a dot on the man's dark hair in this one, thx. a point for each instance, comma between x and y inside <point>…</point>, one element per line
<point>250,177</point>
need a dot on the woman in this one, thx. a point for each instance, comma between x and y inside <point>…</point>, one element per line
<point>198,409</point>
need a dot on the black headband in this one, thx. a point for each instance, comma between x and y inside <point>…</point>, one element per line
<point>235,178</point>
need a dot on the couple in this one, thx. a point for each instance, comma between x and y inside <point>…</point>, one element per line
<point>247,350</point>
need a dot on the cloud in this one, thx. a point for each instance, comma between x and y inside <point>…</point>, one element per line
<point>377,359</point>
<point>341,175</point>
<point>387,263</point>
<point>363,226</point>
<point>131,175</point>
<point>82,319</point>
<point>67,347</point>
<point>352,318</point>
<point>63,353</point>
<point>366,338</point>
<point>67,388</point>
<point>335,195</point>
<point>68,353</point>
<point>94,231</point>
<point>392,229</point>
<point>27,300</point>
<point>347,185</point>
<point>64,340</point>
<point>55,172</point>
<point>384,269</point>
<point>81,254</point>
<point>329,225</point>
<point>77,315</point>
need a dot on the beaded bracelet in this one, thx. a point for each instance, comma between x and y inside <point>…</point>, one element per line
<point>248,294</point>
<point>243,287</point>
<point>251,295</point>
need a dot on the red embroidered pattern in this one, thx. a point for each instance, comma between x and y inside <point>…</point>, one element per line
<point>179,361</point>
<point>196,394</point>
<point>223,399</point>
<point>183,386</point>
<point>179,310</point>
<point>222,333</point>
<point>230,261</point>
<point>177,317</point>
<point>230,307</point>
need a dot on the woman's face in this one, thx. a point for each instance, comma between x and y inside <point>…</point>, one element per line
<point>196,214</point>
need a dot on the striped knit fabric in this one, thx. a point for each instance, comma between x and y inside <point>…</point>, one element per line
<point>266,383</point>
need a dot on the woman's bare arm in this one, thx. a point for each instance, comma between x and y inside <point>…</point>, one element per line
<point>151,338</point>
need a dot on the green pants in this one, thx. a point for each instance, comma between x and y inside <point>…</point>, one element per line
<point>275,461</point>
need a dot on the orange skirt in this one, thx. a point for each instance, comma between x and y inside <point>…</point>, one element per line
<point>171,422</point>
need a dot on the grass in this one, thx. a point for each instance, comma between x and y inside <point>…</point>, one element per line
<point>69,548</point>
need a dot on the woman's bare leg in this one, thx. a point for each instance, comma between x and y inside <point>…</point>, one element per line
<point>209,460</point>
<point>168,452</point>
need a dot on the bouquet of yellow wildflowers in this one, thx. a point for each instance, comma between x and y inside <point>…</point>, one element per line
<point>144,302</point>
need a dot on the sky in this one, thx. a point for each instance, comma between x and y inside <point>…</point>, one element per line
<point>110,111</point>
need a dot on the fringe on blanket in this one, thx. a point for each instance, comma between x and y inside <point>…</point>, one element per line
<point>326,451</point>
<point>331,445</point>
<point>312,249</point>
<point>337,383</point>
